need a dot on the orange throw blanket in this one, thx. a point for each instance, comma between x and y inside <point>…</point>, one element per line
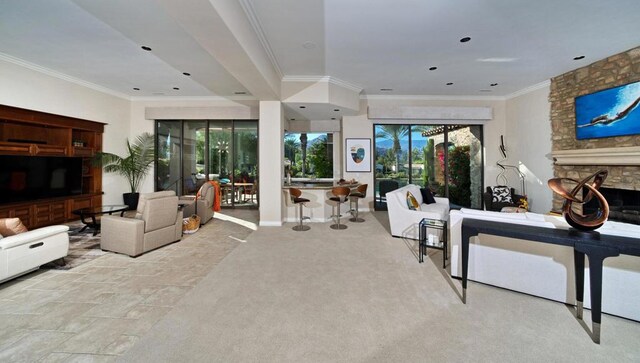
<point>218,195</point>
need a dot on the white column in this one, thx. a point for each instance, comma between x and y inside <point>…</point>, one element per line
<point>271,133</point>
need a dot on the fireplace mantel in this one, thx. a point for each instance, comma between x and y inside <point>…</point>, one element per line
<point>603,156</point>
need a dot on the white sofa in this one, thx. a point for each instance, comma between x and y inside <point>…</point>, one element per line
<point>542,269</point>
<point>404,221</point>
<point>26,251</point>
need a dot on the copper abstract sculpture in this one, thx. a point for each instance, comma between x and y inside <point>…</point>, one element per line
<point>580,221</point>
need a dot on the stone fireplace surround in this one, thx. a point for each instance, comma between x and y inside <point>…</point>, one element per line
<point>577,159</point>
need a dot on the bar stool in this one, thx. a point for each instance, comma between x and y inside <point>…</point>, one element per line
<point>295,198</point>
<point>341,195</point>
<point>360,193</point>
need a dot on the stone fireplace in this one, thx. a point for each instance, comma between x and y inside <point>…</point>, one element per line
<point>577,159</point>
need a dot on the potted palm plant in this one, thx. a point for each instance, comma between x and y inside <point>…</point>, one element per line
<point>134,166</point>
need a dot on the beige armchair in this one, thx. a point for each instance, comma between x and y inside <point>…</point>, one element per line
<point>203,206</point>
<point>157,223</point>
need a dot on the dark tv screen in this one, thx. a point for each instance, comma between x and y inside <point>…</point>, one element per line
<point>26,178</point>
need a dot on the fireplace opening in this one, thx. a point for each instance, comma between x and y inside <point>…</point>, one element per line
<point>624,204</point>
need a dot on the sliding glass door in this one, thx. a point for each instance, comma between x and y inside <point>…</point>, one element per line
<point>445,158</point>
<point>192,152</point>
<point>193,144</point>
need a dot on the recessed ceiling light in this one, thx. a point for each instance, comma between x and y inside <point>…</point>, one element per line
<point>186,74</point>
<point>308,45</point>
<point>293,119</point>
<point>336,109</point>
<point>303,106</point>
<point>465,39</point>
<point>493,84</point>
<point>333,118</point>
<point>386,89</point>
<point>433,68</point>
<point>239,93</point>
<point>485,90</point>
<point>146,48</point>
<point>449,83</point>
<point>136,89</point>
<point>176,88</point>
<point>578,57</point>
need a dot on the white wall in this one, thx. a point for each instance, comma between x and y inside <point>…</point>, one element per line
<point>26,88</point>
<point>361,127</point>
<point>271,146</point>
<point>528,144</point>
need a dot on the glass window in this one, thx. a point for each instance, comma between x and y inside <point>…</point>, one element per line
<point>191,152</point>
<point>168,136</point>
<point>446,158</point>
<point>310,154</point>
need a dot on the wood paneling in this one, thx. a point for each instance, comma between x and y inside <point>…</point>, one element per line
<point>34,133</point>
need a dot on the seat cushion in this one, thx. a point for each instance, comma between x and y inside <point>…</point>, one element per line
<point>412,203</point>
<point>11,226</point>
<point>502,194</point>
<point>440,208</point>
<point>300,200</point>
<point>427,196</point>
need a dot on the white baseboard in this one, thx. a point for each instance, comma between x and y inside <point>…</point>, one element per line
<point>270,224</point>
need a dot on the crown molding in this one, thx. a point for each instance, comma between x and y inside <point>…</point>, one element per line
<point>192,98</point>
<point>327,79</point>
<point>432,98</point>
<point>529,89</point>
<point>247,6</point>
<point>62,76</point>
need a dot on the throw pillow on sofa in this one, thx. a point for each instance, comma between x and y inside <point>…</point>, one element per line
<point>412,202</point>
<point>427,196</point>
<point>502,194</point>
<point>11,226</point>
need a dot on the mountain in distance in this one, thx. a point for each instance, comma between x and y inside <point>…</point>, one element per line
<point>404,144</point>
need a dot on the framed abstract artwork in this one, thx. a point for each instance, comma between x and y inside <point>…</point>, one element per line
<point>358,155</point>
<point>610,112</point>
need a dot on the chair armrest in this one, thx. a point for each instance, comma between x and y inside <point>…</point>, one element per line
<point>442,200</point>
<point>32,236</point>
<point>123,235</point>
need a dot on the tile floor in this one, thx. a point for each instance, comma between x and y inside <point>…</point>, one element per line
<point>97,311</point>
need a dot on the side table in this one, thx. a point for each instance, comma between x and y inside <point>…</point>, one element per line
<point>436,241</point>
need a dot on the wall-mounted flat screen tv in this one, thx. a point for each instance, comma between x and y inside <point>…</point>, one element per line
<point>610,112</point>
<point>27,178</point>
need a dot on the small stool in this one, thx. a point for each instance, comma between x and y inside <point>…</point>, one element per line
<point>341,195</point>
<point>361,192</point>
<point>295,198</point>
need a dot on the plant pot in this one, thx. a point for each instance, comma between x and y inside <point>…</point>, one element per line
<point>131,199</point>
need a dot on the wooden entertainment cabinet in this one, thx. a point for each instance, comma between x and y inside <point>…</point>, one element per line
<point>33,133</point>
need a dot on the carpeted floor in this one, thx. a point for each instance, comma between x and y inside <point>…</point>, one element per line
<point>83,247</point>
<point>97,311</point>
<point>359,295</point>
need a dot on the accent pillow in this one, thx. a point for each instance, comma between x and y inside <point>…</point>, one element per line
<point>11,226</point>
<point>412,203</point>
<point>502,194</point>
<point>427,196</point>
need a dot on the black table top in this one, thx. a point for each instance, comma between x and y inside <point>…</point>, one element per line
<point>626,245</point>
<point>101,210</point>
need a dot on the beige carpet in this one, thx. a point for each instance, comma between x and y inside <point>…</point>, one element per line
<point>97,311</point>
<point>360,295</point>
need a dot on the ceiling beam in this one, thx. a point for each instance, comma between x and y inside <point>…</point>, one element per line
<point>222,28</point>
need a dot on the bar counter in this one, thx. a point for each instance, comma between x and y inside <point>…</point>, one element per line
<point>319,207</point>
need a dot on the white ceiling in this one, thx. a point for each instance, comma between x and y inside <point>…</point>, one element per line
<point>373,44</point>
